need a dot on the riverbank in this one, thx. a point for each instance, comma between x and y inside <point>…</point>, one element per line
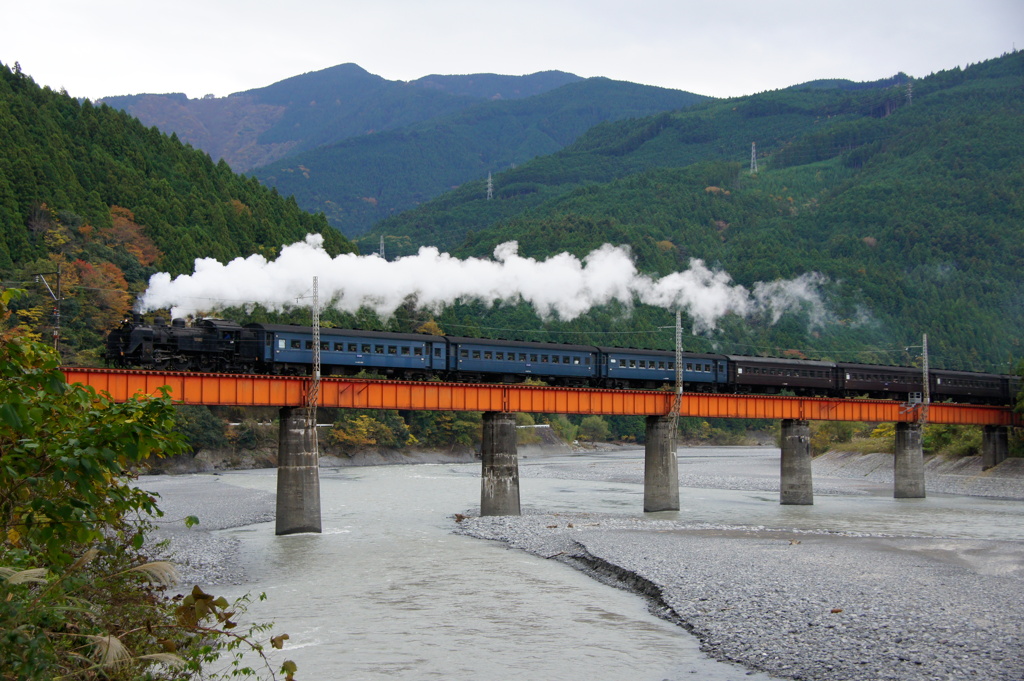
<point>803,604</point>
<point>795,603</point>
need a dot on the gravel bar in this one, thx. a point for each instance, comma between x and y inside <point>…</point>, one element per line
<point>804,605</point>
<point>799,604</point>
<point>200,556</point>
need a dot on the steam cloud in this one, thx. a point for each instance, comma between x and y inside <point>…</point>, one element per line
<point>561,286</point>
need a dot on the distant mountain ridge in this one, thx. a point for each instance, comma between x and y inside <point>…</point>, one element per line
<point>360,148</point>
<point>256,127</point>
<point>361,180</point>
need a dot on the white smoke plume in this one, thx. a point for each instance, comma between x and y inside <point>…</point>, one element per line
<point>561,286</point>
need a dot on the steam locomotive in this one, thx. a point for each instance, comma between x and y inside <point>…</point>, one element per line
<point>218,345</point>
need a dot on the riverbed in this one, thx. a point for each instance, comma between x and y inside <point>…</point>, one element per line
<point>858,586</point>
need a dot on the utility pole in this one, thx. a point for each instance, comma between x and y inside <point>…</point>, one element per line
<point>314,386</point>
<point>753,158</point>
<point>677,401</point>
<point>57,297</point>
<point>927,389</point>
<point>925,386</point>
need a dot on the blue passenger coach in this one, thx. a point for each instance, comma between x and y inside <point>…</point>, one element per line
<point>287,349</point>
<point>474,359</point>
<point>632,367</point>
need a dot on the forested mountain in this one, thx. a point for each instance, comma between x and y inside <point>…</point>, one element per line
<point>360,148</point>
<point>256,127</point>
<point>364,179</point>
<point>90,192</point>
<point>908,196</point>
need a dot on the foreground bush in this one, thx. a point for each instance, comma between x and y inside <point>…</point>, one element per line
<point>78,599</point>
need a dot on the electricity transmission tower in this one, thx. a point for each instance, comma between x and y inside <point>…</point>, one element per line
<point>490,187</point>
<point>753,158</point>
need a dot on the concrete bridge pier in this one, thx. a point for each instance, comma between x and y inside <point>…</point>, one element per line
<point>661,466</point>
<point>795,484</point>
<point>499,482</point>
<point>908,464</point>
<point>298,475</point>
<point>995,446</point>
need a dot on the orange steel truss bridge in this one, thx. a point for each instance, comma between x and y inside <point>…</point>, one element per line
<point>351,393</point>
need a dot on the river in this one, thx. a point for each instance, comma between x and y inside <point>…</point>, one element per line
<point>386,591</point>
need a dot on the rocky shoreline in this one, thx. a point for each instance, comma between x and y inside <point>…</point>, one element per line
<point>804,605</point>
<point>807,605</point>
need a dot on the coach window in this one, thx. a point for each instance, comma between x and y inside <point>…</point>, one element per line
<point>533,358</point>
<point>352,347</point>
<point>499,355</point>
<point>575,360</point>
<point>437,352</point>
<point>464,354</point>
<point>281,344</point>
<point>554,359</point>
<point>487,354</point>
<point>476,354</point>
<point>379,349</point>
<point>689,366</point>
<point>671,366</point>
<point>325,345</point>
<point>522,356</point>
<point>366,347</point>
<point>296,345</point>
<point>543,358</point>
<point>405,350</point>
<point>418,352</point>
<point>643,364</point>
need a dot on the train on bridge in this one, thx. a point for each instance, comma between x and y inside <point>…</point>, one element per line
<point>218,345</point>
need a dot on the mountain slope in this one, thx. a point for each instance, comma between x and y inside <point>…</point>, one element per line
<point>910,205</point>
<point>362,180</point>
<point>90,193</point>
<point>256,127</point>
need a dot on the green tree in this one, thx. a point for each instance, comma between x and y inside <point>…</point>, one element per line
<point>594,428</point>
<point>78,598</point>
<point>200,428</point>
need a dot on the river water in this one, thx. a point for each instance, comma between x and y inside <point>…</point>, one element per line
<point>386,591</point>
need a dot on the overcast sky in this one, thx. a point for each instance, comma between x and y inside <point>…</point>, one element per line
<point>716,47</point>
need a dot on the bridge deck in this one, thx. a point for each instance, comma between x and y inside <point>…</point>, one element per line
<point>282,391</point>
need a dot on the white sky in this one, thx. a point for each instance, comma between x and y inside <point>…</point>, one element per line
<point>715,47</point>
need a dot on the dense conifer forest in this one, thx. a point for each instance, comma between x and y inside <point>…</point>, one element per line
<point>89,192</point>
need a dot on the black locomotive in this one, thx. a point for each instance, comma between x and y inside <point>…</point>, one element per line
<point>224,346</point>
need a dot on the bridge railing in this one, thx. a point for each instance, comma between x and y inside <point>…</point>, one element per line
<point>351,393</point>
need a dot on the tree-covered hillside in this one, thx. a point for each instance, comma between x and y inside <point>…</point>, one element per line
<point>908,197</point>
<point>364,179</point>
<point>259,126</point>
<point>90,192</point>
